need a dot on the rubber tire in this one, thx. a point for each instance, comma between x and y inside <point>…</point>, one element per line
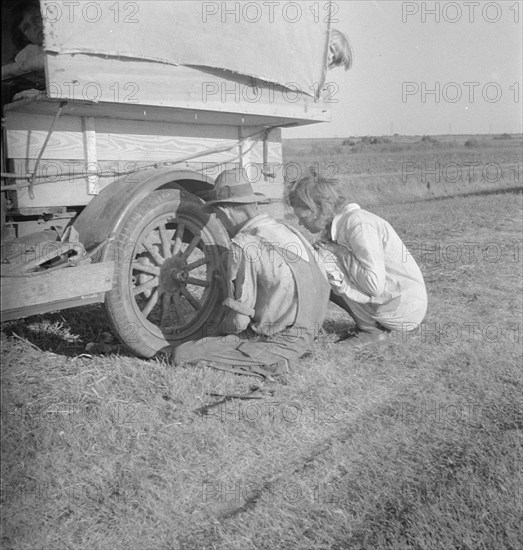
<point>135,331</point>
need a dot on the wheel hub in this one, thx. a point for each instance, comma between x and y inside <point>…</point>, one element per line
<point>173,275</point>
<point>180,276</point>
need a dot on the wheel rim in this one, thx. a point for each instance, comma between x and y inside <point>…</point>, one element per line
<point>171,277</point>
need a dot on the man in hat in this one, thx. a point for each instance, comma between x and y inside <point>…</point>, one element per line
<point>276,294</point>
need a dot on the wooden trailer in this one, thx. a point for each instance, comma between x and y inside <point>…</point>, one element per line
<point>114,145</point>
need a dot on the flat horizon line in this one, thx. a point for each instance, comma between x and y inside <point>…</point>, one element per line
<point>517,134</point>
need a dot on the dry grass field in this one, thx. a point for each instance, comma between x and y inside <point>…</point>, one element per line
<point>418,446</point>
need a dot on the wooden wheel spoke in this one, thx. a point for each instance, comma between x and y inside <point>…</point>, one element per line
<point>166,242</point>
<point>191,299</point>
<point>153,252</point>
<point>197,263</point>
<point>145,268</point>
<point>178,308</point>
<point>146,311</point>
<point>197,282</point>
<point>192,245</point>
<point>153,283</point>
<point>166,302</point>
<point>178,238</point>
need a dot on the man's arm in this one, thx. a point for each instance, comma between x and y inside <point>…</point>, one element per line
<point>242,296</point>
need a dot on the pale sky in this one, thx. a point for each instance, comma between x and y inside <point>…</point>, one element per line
<point>402,54</point>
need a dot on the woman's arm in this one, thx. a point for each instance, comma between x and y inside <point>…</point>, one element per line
<point>365,262</point>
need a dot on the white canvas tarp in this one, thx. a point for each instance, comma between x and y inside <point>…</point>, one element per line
<point>279,42</point>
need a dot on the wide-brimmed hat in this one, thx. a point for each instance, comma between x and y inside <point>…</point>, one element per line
<point>233,186</point>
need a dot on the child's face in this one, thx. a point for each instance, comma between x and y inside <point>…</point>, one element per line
<point>32,26</point>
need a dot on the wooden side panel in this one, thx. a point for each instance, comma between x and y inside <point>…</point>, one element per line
<point>115,139</point>
<point>71,177</point>
<point>59,188</point>
<point>64,284</point>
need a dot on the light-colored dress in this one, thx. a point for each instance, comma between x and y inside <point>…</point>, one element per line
<point>370,268</point>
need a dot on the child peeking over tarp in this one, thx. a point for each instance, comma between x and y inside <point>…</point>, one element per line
<point>340,51</point>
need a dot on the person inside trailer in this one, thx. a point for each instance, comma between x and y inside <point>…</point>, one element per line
<point>276,293</point>
<point>340,51</point>
<point>372,275</point>
<point>27,35</point>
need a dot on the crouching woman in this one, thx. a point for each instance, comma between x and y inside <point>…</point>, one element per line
<point>371,273</point>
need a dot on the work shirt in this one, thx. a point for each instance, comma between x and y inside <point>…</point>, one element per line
<point>277,299</point>
<point>263,280</point>
<point>369,263</point>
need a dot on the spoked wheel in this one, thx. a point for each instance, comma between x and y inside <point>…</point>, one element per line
<point>165,289</point>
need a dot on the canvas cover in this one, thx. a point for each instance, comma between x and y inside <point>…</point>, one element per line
<point>279,42</point>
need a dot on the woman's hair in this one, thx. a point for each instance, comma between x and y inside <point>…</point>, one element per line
<point>344,54</point>
<point>321,195</point>
<point>17,15</point>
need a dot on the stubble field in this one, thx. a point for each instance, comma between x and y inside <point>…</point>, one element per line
<point>416,446</point>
